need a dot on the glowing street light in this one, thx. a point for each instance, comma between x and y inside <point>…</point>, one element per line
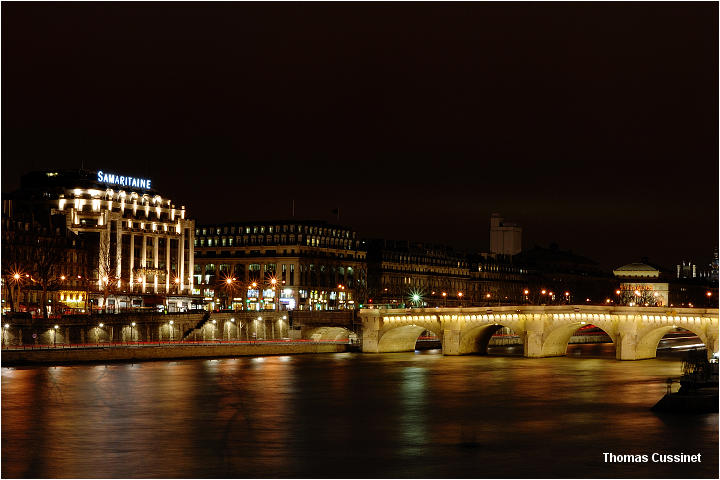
<point>55,329</point>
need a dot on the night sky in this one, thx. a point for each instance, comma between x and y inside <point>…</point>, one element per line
<point>594,126</point>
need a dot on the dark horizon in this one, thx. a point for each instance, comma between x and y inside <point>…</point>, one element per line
<point>593,126</point>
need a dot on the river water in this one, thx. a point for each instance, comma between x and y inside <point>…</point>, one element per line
<point>415,414</point>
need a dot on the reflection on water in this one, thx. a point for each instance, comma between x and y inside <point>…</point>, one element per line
<point>415,414</point>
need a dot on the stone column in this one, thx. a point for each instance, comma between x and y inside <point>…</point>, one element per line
<point>118,249</point>
<point>132,262</point>
<point>712,338</point>
<point>156,261</point>
<point>191,256</point>
<point>143,256</point>
<point>533,340</point>
<point>451,341</point>
<point>371,334</point>
<point>627,338</point>
<point>181,257</point>
<point>167,264</point>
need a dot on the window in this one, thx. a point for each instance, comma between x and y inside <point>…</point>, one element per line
<point>254,270</point>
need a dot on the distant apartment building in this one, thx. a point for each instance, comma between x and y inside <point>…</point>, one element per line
<point>402,272</point>
<point>495,280</point>
<point>279,265</point>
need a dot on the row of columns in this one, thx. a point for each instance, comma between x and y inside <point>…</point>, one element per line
<point>185,225</point>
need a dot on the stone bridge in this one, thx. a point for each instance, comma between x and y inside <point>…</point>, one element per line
<point>544,330</point>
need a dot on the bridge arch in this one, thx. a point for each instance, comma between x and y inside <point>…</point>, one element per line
<point>400,334</point>
<point>648,343</point>
<point>557,340</point>
<point>327,334</point>
<point>477,338</point>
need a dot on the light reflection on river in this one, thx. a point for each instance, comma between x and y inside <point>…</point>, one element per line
<point>349,415</point>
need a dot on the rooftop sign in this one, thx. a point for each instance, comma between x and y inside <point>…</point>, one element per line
<point>112,179</point>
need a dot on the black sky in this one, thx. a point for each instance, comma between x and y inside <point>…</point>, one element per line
<point>594,126</point>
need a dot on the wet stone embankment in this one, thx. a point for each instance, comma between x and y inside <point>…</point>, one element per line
<point>129,353</point>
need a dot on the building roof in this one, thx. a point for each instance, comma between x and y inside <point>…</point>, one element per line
<point>636,270</point>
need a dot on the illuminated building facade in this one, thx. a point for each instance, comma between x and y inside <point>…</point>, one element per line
<point>407,273</point>
<point>641,285</point>
<point>279,265</point>
<point>140,245</point>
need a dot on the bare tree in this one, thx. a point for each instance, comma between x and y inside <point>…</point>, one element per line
<point>108,280</point>
<point>43,257</point>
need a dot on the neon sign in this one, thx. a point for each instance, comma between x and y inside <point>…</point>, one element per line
<point>113,179</point>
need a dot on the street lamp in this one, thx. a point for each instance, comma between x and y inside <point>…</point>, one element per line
<point>55,329</point>
<point>460,294</point>
<point>444,295</point>
<point>132,331</point>
<point>273,282</point>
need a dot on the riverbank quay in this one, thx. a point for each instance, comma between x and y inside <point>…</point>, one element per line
<point>145,351</point>
<point>22,329</point>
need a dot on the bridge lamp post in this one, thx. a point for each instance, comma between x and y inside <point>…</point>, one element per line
<point>132,331</point>
<point>214,327</point>
<point>460,294</point>
<point>526,292</point>
<point>444,295</point>
<point>55,329</point>
<point>172,330</point>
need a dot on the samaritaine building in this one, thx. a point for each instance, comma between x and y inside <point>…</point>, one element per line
<point>141,243</point>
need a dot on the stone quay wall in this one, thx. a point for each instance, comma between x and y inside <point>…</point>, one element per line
<point>165,352</point>
<point>148,327</point>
